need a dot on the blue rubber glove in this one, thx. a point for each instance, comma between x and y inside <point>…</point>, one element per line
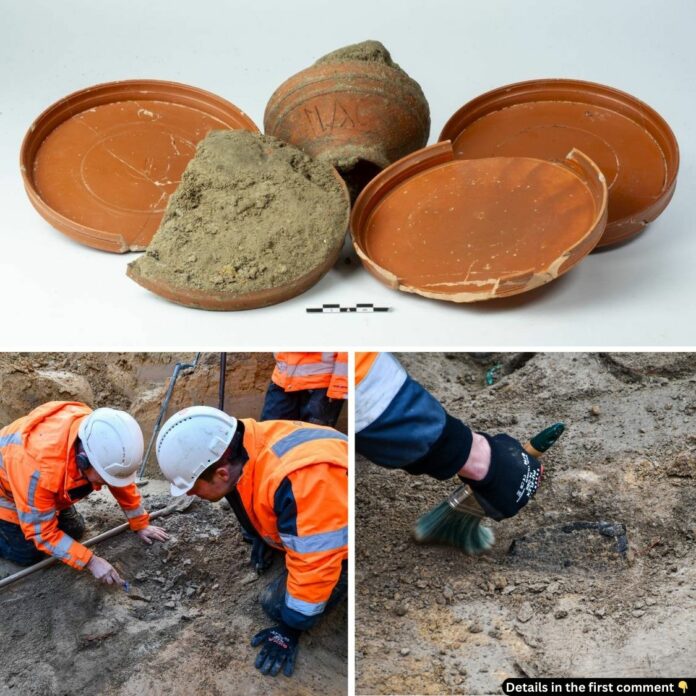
<point>279,649</point>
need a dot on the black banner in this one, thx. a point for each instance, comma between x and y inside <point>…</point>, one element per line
<point>683,686</point>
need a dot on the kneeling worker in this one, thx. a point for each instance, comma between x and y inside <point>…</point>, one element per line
<point>287,483</point>
<point>54,456</point>
<point>307,387</point>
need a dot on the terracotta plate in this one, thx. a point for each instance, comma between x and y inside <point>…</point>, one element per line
<point>219,300</point>
<point>465,230</point>
<point>630,142</point>
<point>100,164</point>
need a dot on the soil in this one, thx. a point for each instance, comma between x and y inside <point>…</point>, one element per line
<point>596,577</point>
<point>251,213</point>
<point>184,627</point>
<point>368,51</point>
<point>186,624</point>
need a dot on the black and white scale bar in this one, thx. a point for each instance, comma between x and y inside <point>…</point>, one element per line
<point>337,309</point>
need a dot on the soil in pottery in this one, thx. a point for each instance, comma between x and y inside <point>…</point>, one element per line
<point>595,577</point>
<point>368,51</point>
<point>252,213</point>
<point>185,626</point>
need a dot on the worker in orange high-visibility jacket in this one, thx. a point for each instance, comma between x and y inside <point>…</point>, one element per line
<point>51,458</point>
<point>400,425</point>
<point>308,387</point>
<point>287,483</point>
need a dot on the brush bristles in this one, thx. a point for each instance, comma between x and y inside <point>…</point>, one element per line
<point>443,525</point>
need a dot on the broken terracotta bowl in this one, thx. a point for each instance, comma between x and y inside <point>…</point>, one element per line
<point>100,164</point>
<point>465,230</point>
<point>227,301</point>
<point>360,116</point>
<point>629,141</point>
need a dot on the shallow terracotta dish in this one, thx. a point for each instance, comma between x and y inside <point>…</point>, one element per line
<point>221,301</point>
<point>629,141</point>
<point>465,230</point>
<point>100,164</point>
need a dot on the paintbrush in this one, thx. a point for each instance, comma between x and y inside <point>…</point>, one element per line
<point>457,521</point>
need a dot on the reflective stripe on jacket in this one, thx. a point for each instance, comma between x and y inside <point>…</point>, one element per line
<point>400,425</point>
<point>294,489</point>
<point>298,371</point>
<point>38,471</point>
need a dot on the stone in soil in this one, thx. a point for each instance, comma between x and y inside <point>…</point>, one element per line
<point>98,629</point>
<point>525,612</point>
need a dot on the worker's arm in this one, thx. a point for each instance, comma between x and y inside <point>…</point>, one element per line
<point>400,425</point>
<point>38,519</point>
<point>311,506</point>
<point>128,497</point>
<point>338,385</point>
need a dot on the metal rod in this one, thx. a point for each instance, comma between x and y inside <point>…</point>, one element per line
<point>90,542</point>
<point>221,387</point>
<point>179,367</point>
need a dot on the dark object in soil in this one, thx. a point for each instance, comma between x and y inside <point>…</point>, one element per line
<point>253,218</point>
<point>355,108</point>
<point>582,545</point>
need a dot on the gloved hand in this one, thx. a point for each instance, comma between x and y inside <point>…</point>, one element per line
<point>261,556</point>
<point>279,649</point>
<point>104,571</point>
<point>261,552</point>
<point>511,481</point>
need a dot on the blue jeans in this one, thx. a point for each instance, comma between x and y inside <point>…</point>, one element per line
<point>308,405</point>
<point>273,596</point>
<point>14,547</point>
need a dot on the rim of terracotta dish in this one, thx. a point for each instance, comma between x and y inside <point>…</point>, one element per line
<point>100,95</point>
<point>442,153</point>
<point>564,89</point>
<point>222,301</point>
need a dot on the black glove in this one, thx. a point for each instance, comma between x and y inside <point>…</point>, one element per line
<point>261,556</point>
<point>279,649</point>
<point>511,481</point>
<point>261,552</point>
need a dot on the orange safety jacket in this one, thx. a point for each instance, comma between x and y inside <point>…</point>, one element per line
<point>294,488</point>
<point>39,478</point>
<point>363,364</point>
<point>297,371</point>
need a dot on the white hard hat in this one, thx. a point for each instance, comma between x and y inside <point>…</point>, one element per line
<point>113,442</point>
<point>190,441</point>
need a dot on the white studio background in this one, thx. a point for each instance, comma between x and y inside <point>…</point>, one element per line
<point>59,294</point>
